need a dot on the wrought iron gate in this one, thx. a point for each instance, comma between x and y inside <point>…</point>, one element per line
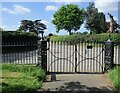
<point>67,57</point>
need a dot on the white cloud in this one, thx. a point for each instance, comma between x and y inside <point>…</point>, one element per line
<point>18,9</point>
<point>44,22</point>
<point>3,26</point>
<point>52,18</point>
<point>106,6</point>
<point>21,10</point>
<point>7,11</point>
<point>11,27</point>
<point>115,18</point>
<point>51,8</point>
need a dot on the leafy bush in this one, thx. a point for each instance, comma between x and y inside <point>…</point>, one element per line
<point>114,75</point>
<point>115,37</point>
<point>18,36</point>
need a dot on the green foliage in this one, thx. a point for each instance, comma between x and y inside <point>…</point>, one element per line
<point>68,17</point>
<point>85,33</point>
<point>32,26</point>
<point>18,36</point>
<point>22,78</point>
<point>114,77</point>
<point>95,37</point>
<point>95,21</point>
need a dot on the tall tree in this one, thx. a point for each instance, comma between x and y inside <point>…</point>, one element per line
<point>95,21</point>
<point>69,17</point>
<point>32,26</point>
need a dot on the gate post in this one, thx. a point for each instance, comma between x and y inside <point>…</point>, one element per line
<point>109,55</point>
<point>42,54</point>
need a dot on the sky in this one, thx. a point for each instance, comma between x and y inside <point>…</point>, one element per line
<point>12,12</point>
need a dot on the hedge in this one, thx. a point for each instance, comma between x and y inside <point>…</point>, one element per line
<point>14,36</point>
<point>115,37</point>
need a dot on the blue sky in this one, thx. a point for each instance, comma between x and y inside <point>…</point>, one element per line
<point>12,13</point>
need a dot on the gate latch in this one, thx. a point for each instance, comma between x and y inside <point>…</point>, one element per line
<point>89,47</point>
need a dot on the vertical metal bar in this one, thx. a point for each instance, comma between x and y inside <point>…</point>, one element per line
<point>9,57</point>
<point>36,52</point>
<point>91,52</point>
<point>115,55</point>
<point>75,58</point>
<point>70,56</point>
<point>66,63</point>
<point>93,67</point>
<point>58,50</point>
<point>21,53</point>
<point>29,53</point>
<point>48,47</point>
<point>26,54</point>
<point>51,66</point>
<point>24,61</point>
<point>102,60</point>
<point>64,57</point>
<point>85,61</point>
<point>78,57</point>
<point>15,54</point>
<point>60,55</point>
<point>32,52</point>
<point>73,67</point>
<point>97,57</point>
<point>118,53</point>
<point>88,70</point>
<point>82,57</point>
<point>55,55</point>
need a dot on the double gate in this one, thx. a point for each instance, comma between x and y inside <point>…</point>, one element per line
<point>69,57</point>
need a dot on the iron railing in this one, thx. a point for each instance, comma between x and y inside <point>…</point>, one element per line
<point>19,52</point>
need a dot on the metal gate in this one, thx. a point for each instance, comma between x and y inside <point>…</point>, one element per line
<point>68,57</point>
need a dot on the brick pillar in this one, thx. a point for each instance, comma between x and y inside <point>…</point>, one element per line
<point>42,54</point>
<point>109,55</point>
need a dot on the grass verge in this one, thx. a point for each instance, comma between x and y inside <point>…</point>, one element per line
<point>114,76</point>
<point>22,78</point>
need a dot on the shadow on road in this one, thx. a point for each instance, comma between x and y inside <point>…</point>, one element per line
<point>77,87</point>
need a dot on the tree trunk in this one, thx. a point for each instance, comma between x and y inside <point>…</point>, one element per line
<point>70,32</point>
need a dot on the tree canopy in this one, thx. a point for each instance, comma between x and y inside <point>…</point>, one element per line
<point>69,17</point>
<point>32,26</point>
<point>95,21</point>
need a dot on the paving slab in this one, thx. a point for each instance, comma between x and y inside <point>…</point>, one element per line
<point>77,82</point>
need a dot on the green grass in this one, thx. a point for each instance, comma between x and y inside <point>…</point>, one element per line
<point>114,76</point>
<point>21,78</point>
